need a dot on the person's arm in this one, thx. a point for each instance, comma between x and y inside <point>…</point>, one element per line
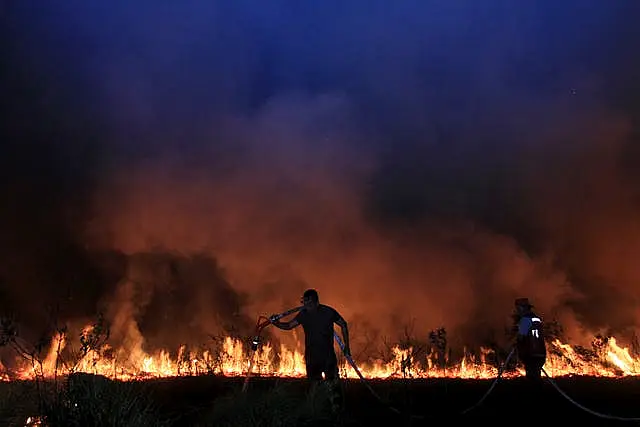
<point>345,333</point>
<point>524,326</point>
<point>286,326</point>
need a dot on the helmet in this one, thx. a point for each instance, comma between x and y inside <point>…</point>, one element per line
<point>523,302</point>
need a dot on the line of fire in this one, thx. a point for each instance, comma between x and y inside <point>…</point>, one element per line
<point>229,356</point>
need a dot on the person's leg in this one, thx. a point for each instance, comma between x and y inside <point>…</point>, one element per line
<point>332,376</point>
<point>539,363</point>
<point>331,372</point>
<point>533,368</point>
<point>529,367</point>
<point>314,375</point>
<point>531,371</point>
<point>314,371</point>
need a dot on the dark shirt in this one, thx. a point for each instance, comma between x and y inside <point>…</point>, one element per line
<point>318,332</point>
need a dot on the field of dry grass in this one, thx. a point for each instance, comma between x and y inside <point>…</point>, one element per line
<point>216,401</point>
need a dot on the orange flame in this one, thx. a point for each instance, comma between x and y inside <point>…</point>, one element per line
<point>33,421</point>
<point>3,373</point>
<point>233,359</point>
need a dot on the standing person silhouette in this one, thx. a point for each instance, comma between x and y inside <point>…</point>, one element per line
<point>317,321</point>
<point>530,343</point>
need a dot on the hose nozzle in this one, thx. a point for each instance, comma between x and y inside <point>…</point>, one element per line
<point>255,343</point>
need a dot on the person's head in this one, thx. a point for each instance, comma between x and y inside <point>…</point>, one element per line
<point>523,306</point>
<point>310,299</point>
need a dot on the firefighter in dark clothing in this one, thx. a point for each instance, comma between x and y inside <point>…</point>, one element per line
<point>317,322</point>
<point>531,347</point>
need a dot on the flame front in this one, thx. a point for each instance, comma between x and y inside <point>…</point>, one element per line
<point>233,359</point>
<point>33,422</point>
<point>3,373</point>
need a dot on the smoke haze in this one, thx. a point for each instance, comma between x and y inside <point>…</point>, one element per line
<point>188,167</point>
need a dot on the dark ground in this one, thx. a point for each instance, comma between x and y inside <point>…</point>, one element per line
<point>208,401</point>
<point>441,399</point>
<point>513,401</point>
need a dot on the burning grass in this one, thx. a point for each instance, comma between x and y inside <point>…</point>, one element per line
<point>91,383</point>
<point>228,356</point>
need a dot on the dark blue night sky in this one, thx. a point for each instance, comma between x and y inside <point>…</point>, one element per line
<point>451,155</point>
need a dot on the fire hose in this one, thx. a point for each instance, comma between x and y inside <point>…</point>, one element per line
<point>493,384</point>
<point>263,322</point>
<point>558,389</point>
<point>487,393</point>
<point>584,408</point>
<point>366,383</point>
<point>399,412</point>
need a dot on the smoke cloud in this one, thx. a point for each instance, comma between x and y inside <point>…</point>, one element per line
<point>423,161</point>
